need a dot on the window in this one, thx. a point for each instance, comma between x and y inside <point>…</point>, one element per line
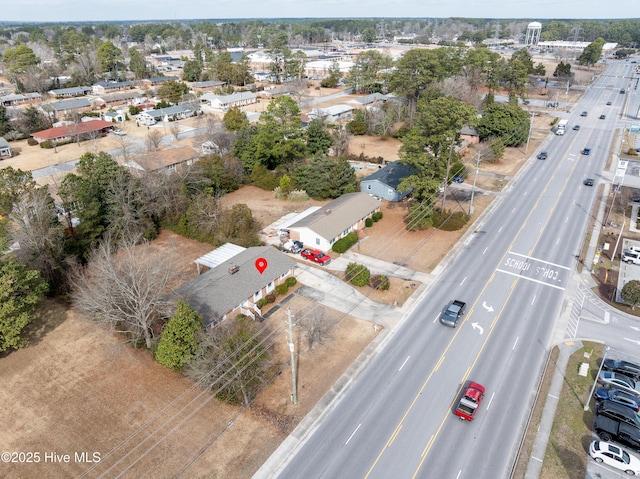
<point>270,287</point>
<point>390,191</point>
<point>317,241</point>
<point>257,295</point>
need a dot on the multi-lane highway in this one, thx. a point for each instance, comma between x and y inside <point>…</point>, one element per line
<point>395,419</point>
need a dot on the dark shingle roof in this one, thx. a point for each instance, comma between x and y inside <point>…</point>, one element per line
<point>218,291</point>
<point>391,175</point>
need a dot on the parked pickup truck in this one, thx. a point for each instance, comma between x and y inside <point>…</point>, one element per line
<point>609,429</point>
<point>470,401</point>
<point>315,255</point>
<point>453,312</point>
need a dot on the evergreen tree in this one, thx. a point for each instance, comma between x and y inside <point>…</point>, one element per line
<point>179,340</point>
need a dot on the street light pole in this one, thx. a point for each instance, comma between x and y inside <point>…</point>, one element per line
<point>294,393</point>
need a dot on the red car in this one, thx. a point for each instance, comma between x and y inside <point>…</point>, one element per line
<point>315,255</point>
<point>470,401</point>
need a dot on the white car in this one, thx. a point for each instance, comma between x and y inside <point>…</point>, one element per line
<point>619,381</point>
<point>614,456</point>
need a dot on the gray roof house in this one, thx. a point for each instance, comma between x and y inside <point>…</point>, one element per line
<point>332,114</point>
<point>234,285</point>
<point>335,220</point>
<point>67,106</point>
<point>384,182</point>
<point>5,148</point>
<point>71,92</point>
<point>224,102</point>
<point>172,113</point>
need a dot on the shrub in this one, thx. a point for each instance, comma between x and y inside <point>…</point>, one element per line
<point>447,221</point>
<point>368,222</point>
<point>358,274</point>
<point>632,152</point>
<point>343,244</point>
<point>271,298</point>
<point>298,195</point>
<point>290,281</point>
<point>32,142</point>
<point>380,281</point>
<point>377,216</point>
<point>282,288</point>
<point>46,145</point>
<point>262,302</point>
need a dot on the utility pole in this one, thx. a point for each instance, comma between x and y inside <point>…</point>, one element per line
<point>533,114</point>
<point>473,190</point>
<point>294,394</point>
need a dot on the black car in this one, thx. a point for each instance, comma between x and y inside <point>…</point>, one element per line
<point>628,369</point>
<point>586,151</point>
<point>576,127</point>
<point>619,412</point>
<point>584,113</point>
<point>602,117</point>
<point>608,429</point>
<point>588,182</point>
<point>542,155</point>
<point>608,103</point>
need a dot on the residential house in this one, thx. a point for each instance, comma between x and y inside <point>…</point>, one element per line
<point>83,130</point>
<point>104,87</point>
<point>155,81</point>
<point>234,284</point>
<point>332,114</point>
<point>71,92</point>
<point>335,220</point>
<point>5,148</point>
<point>370,101</point>
<point>384,183</point>
<point>169,160</point>
<point>66,107</point>
<point>206,85</point>
<point>130,97</point>
<point>225,102</point>
<point>20,99</point>
<point>172,113</point>
<point>117,116</point>
<point>469,134</point>
<point>276,91</point>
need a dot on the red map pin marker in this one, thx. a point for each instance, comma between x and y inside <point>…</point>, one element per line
<point>261,265</point>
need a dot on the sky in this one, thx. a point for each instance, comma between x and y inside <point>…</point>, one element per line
<point>110,10</point>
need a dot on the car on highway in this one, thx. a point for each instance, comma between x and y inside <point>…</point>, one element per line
<point>608,103</point>
<point>602,117</point>
<point>470,401</point>
<point>584,113</point>
<point>616,365</point>
<point>618,411</point>
<point>586,151</point>
<point>622,92</point>
<point>542,155</point>
<point>588,182</point>
<point>576,127</point>
<point>618,381</point>
<point>614,456</point>
<point>617,396</point>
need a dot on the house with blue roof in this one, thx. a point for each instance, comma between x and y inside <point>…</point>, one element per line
<point>385,182</point>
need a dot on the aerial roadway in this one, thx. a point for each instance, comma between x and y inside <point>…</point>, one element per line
<point>396,418</point>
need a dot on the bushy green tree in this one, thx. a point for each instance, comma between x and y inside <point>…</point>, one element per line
<point>562,70</point>
<point>318,138</point>
<point>14,184</point>
<point>326,178</point>
<point>192,70</point>
<point>110,58</point>
<point>592,52</point>
<point>506,121</point>
<point>334,76</point>
<point>631,293</point>
<point>357,274</point>
<point>21,291</point>
<point>173,91</point>
<point>179,341</point>
<point>235,119</point>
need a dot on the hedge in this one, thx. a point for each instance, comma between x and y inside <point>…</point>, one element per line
<point>290,281</point>
<point>282,288</point>
<point>343,244</point>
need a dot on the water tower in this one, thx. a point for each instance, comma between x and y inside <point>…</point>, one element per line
<point>533,34</point>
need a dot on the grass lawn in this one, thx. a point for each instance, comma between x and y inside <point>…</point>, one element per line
<point>566,454</point>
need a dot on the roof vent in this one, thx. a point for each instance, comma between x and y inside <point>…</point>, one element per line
<point>234,269</point>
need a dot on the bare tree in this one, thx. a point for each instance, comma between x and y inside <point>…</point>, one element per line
<point>315,327</point>
<point>341,138</point>
<point>128,213</point>
<point>164,195</point>
<point>205,213</point>
<point>126,147</point>
<point>174,128</point>
<point>127,289</point>
<point>154,137</point>
<point>39,235</point>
